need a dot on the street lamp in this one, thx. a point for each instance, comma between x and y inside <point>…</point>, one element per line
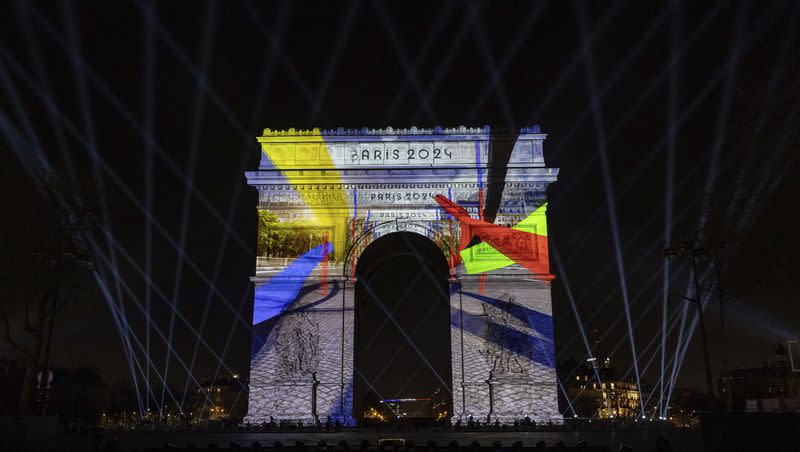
<point>689,248</point>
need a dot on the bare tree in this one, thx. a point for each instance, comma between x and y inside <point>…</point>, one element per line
<point>53,276</point>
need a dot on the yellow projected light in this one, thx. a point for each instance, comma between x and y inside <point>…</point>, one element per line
<point>304,159</point>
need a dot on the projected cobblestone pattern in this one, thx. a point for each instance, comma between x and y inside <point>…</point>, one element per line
<point>299,369</point>
<point>501,329</point>
<point>508,363</point>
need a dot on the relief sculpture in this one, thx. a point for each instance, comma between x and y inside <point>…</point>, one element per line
<point>297,346</point>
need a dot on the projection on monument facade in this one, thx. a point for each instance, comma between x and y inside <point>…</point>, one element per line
<point>329,199</point>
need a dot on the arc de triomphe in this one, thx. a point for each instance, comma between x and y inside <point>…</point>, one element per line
<point>325,196</point>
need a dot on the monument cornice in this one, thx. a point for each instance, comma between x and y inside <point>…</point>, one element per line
<point>415,175</point>
<point>461,133</point>
<point>394,185</point>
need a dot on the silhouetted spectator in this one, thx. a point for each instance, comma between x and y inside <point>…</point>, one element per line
<point>452,446</point>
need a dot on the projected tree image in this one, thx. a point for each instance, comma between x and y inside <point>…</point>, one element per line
<point>292,238</point>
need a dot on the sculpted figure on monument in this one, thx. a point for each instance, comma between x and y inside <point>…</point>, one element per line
<point>297,346</point>
<point>500,331</point>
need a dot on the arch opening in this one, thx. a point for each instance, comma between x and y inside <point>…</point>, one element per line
<point>402,354</point>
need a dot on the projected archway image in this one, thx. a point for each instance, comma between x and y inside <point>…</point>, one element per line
<point>402,334</point>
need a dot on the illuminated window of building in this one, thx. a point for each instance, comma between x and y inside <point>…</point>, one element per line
<point>603,385</point>
<point>612,385</point>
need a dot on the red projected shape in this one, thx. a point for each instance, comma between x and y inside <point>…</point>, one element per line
<point>519,246</point>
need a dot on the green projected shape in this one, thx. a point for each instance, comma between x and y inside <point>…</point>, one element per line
<point>483,257</point>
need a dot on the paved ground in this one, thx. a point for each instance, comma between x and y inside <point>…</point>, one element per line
<point>729,432</point>
<point>681,440</point>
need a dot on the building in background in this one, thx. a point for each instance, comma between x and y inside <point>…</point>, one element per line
<point>609,398</point>
<point>223,399</point>
<point>773,387</point>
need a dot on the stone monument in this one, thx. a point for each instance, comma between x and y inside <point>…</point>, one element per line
<point>324,196</point>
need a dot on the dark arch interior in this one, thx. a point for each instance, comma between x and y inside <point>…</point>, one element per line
<point>402,329</point>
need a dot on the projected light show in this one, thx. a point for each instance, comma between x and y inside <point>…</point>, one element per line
<point>303,226</point>
<point>326,198</point>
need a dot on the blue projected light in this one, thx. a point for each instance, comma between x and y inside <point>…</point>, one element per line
<point>273,297</point>
<point>537,347</point>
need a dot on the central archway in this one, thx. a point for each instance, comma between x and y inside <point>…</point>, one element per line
<point>402,331</point>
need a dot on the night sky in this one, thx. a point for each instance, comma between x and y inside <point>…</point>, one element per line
<point>171,96</point>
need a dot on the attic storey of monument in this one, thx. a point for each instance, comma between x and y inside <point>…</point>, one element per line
<point>326,196</point>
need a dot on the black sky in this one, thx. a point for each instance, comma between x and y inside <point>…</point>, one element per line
<point>221,72</point>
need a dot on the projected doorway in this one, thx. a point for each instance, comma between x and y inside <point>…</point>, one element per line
<point>402,352</point>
